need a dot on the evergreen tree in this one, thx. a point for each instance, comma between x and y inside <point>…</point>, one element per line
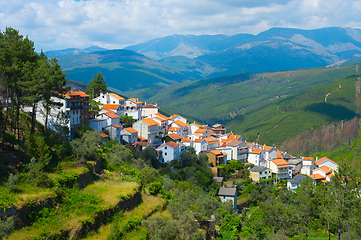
<point>97,86</point>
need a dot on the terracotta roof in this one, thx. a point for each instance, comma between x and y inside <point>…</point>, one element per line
<point>307,158</point>
<point>195,124</point>
<point>180,123</point>
<point>116,96</point>
<point>324,159</point>
<point>267,148</point>
<point>103,135</point>
<point>135,100</point>
<point>256,150</point>
<point>325,169</point>
<point>174,116</point>
<point>162,116</point>
<point>76,93</point>
<point>111,106</point>
<point>174,136</point>
<point>211,139</point>
<point>116,126</point>
<point>234,143</point>
<point>186,140</point>
<point>150,122</point>
<point>173,129</point>
<point>131,130</point>
<point>214,170</point>
<point>317,176</point>
<point>143,144</point>
<point>150,106</point>
<point>215,151</point>
<point>170,144</point>
<point>330,175</point>
<point>198,140</point>
<point>111,115</point>
<point>200,130</point>
<point>142,138</point>
<point>233,137</point>
<point>280,162</point>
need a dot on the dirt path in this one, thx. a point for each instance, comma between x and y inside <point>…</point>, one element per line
<point>328,94</point>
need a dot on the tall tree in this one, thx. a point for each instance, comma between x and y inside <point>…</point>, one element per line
<point>17,57</point>
<point>97,86</point>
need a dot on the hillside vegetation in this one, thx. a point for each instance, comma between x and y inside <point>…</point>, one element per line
<point>222,99</point>
<point>291,116</point>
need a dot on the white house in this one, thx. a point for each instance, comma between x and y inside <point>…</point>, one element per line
<point>279,168</point>
<point>99,124</point>
<point>193,127</point>
<point>74,107</point>
<point>212,143</point>
<point>327,162</point>
<point>114,131</point>
<point>226,151</point>
<point>293,183</point>
<point>259,172</point>
<point>254,156</point>
<point>148,129</point>
<point>228,194</point>
<point>111,118</point>
<point>116,108</point>
<point>307,165</point>
<point>269,153</point>
<point>183,132</point>
<point>149,110</point>
<point>326,172</point>
<point>200,145</point>
<point>109,98</point>
<point>170,151</point>
<point>129,135</point>
<point>239,150</point>
<point>175,118</point>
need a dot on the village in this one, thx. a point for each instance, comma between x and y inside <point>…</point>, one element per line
<point>172,135</point>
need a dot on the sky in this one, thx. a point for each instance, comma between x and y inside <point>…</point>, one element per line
<point>112,24</point>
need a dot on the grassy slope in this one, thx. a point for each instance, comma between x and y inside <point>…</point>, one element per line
<point>221,99</point>
<point>289,117</point>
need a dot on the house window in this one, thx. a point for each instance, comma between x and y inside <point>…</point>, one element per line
<point>165,147</point>
<point>113,101</point>
<point>165,154</point>
<point>76,112</point>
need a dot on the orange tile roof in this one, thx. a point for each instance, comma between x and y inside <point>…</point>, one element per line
<point>162,116</point>
<point>174,116</point>
<point>103,135</point>
<point>116,126</point>
<point>180,123</point>
<point>174,136</point>
<point>307,158</point>
<point>324,159</point>
<point>324,180</point>
<point>142,138</point>
<point>135,100</point>
<point>76,93</point>
<point>200,130</point>
<point>173,129</point>
<point>234,137</point>
<point>233,143</point>
<point>325,169</point>
<point>186,140</point>
<point>111,106</point>
<point>170,144</point>
<point>131,130</point>
<point>317,176</point>
<point>267,148</point>
<point>211,139</point>
<point>256,150</point>
<point>195,124</point>
<point>150,106</point>
<point>111,115</point>
<point>280,162</point>
<point>215,151</point>
<point>214,170</point>
<point>198,140</point>
<point>116,96</point>
<point>143,144</point>
<point>150,122</point>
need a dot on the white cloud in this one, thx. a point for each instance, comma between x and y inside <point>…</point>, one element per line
<point>57,24</point>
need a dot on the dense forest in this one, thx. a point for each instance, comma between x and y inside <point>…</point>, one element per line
<point>42,174</point>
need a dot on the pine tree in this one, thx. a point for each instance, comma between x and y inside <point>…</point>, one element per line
<point>97,86</point>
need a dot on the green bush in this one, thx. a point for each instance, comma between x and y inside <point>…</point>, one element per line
<point>12,183</point>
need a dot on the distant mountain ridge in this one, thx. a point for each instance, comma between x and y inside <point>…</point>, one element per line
<point>178,58</point>
<point>73,51</point>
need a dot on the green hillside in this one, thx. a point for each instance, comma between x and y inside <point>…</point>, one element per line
<point>273,123</point>
<point>225,98</point>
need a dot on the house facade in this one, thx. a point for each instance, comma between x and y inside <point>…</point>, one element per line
<point>170,151</point>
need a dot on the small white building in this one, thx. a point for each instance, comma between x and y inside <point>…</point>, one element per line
<point>229,194</point>
<point>293,183</point>
<point>327,162</point>
<point>307,165</point>
<point>149,110</point>
<point>109,98</point>
<point>200,145</point>
<point>254,156</point>
<point>111,118</point>
<point>170,151</point>
<point>280,168</point>
<point>114,131</point>
<point>99,124</point>
<point>148,129</point>
<point>129,135</point>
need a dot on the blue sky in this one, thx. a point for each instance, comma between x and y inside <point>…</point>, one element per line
<point>59,24</point>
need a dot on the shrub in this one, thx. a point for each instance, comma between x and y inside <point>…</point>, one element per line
<point>7,225</point>
<point>155,188</point>
<point>12,183</point>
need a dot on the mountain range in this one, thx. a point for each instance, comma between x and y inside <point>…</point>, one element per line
<point>178,58</point>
